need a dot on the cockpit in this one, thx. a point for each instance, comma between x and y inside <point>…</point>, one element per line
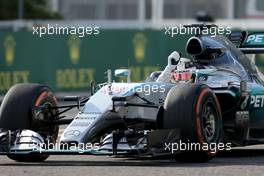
<point>210,53</point>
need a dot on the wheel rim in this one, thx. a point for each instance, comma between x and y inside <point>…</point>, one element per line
<point>209,123</point>
<point>48,132</point>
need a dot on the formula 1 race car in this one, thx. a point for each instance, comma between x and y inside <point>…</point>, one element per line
<point>190,111</point>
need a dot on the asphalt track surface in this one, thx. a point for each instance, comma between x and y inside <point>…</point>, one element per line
<point>238,162</point>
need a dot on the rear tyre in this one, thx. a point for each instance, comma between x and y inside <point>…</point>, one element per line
<point>19,111</point>
<point>195,110</point>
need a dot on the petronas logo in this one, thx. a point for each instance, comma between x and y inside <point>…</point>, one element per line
<point>9,44</point>
<point>74,43</point>
<point>139,42</point>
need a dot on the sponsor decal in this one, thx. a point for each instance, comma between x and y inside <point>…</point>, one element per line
<point>255,39</point>
<point>81,124</point>
<point>139,42</point>
<point>11,76</point>
<point>74,43</point>
<point>72,134</point>
<point>10,45</point>
<point>257,101</point>
<point>245,103</point>
<point>71,78</point>
<point>86,118</point>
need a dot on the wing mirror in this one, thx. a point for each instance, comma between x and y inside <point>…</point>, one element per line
<point>92,87</point>
<point>123,73</point>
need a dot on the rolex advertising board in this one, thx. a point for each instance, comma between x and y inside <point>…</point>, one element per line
<point>70,62</point>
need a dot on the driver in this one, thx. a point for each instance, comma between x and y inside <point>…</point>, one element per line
<point>175,63</point>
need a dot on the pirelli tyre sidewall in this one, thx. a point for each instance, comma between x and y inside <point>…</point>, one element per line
<point>184,109</point>
<point>19,110</point>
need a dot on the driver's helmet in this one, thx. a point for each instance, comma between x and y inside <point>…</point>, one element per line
<point>184,64</point>
<point>183,71</point>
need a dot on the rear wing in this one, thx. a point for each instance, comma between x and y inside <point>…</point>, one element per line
<point>248,43</point>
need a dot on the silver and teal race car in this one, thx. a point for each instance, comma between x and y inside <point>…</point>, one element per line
<point>214,103</point>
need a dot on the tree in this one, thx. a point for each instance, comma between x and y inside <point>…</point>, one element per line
<point>33,9</point>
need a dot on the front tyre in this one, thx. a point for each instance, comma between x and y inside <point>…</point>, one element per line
<point>19,110</point>
<point>195,110</point>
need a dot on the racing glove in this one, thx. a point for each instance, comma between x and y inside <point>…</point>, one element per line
<point>173,60</point>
